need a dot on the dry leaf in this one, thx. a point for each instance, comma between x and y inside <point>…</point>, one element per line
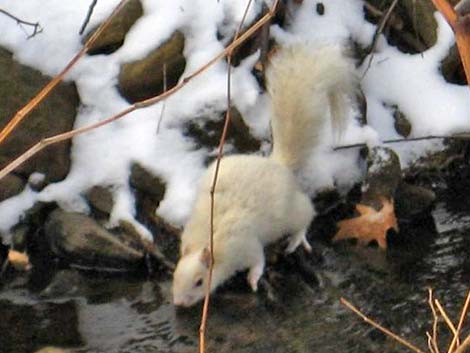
<point>19,260</point>
<point>370,225</point>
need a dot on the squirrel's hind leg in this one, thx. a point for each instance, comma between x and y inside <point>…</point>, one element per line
<point>257,268</point>
<point>296,239</point>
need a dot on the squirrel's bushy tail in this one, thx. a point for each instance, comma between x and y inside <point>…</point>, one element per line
<point>307,87</point>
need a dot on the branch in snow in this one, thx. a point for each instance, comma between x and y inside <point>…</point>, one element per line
<point>35,25</point>
<point>88,16</point>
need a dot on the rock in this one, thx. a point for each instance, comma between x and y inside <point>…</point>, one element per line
<point>10,186</point>
<point>37,181</point>
<point>112,38</point>
<point>145,182</point>
<point>145,78</point>
<point>82,241</point>
<point>383,176</point>
<point>402,124</point>
<point>423,25</point>
<point>412,200</point>
<point>101,199</point>
<point>64,283</point>
<point>411,25</point>
<point>18,84</point>
<point>130,236</point>
<point>209,133</point>
<point>52,350</point>
<point>452,68</point>
<point>19,237</point>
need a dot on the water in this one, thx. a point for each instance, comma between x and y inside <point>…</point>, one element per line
<point>123,315</point>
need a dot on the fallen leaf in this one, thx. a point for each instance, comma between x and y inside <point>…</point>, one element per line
<point>370,225</point>
<point>19,260</point>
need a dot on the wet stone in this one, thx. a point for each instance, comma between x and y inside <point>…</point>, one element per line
<point>82,241</point>
<point>412,200</point>
<point>383,176</point>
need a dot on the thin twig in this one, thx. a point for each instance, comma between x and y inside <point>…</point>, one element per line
<point>202,328</point>
<point>464,347</point>
<point>460,136</point>
<point>435,322</point>
<point>377,34</point>
<point>36,26</point>
<point>23,112</point>
<point>445,316</point>
<point>88,16</point>
<point>165,87</point>
<point>139,105</point>
<point>460,324</point>
<point>379,327</point>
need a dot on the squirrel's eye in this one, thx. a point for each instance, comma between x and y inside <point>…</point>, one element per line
<point>198,283</point>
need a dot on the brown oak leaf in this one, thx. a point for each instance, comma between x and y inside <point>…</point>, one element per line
<point>19,260</point>
<point>370,225</point>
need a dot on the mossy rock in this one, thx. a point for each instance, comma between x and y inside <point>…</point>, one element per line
<point>112,38</point>
<point>145,78</point>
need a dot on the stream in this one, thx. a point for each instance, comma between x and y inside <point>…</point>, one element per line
<point>121,314</point>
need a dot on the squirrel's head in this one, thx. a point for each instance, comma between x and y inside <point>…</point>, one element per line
<point>190,278</point>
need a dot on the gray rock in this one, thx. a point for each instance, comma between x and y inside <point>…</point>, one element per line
<point>10,185</point>
<point>147,183</point>
<point>146,78</point>
<point>100,198</point>
<point>64,283</point>
<point>411,200</point>
<point>383,176</point>
<point>402,124</point>
<point>452,68</point>
<point>82,241</point>
<point>56,114</point>
<point>113,36</point>
<point>209,133</point>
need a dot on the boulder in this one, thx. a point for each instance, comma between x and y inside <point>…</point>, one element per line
<point>56,114</point>
<point>80,240</point>
<point>145,78</point>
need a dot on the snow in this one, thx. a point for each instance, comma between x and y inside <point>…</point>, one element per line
<point>104,156</point>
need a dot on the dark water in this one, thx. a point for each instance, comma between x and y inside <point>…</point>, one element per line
<point>109,314</point>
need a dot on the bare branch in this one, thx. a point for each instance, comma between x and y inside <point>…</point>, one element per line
<point>202,328</point>
<point>460,324</point>
<point>460,136</point>
<point>36,26</point>
<point>139,105</point>
<point>88,16</point>
<point>23,112</point>
<point>371,322</point>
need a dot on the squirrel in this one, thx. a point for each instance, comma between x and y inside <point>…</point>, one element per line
<point>257,199</point>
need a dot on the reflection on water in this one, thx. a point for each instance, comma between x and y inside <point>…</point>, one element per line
<point>124,315</point>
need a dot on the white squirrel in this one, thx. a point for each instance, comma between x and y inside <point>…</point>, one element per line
<point>257,199</point>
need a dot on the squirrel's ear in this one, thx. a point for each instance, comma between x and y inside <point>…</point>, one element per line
<point>206,257</point>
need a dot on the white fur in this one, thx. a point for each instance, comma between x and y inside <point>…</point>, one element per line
<point>257,199</point>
